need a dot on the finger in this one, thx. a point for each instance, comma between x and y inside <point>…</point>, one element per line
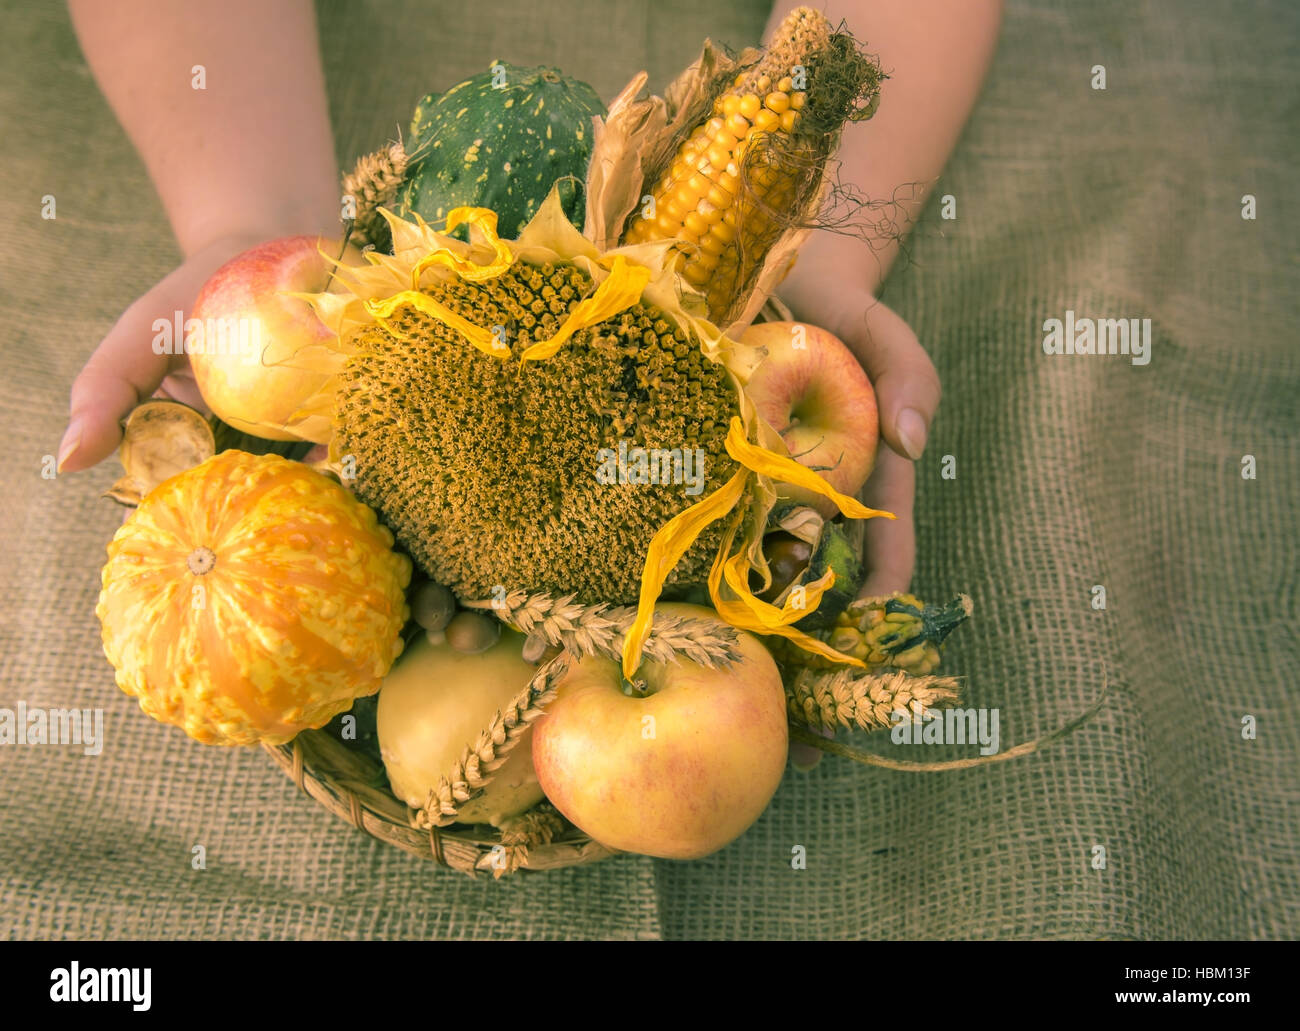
<point>906,383</point>
<point>181,386</point>
<point>890,550</point>
<point>804,757</point>
<point>123,371</point>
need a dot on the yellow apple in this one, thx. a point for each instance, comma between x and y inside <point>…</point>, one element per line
<point>250,326</point>
<point>434,702</point>
<point>812,390</point>
<point>677,773</point>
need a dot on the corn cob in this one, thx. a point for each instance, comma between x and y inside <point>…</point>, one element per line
<point>746,174</point>
<point>898,631</point>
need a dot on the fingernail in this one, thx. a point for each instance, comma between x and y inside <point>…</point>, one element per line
<point>805,757</point>
<point>71,441</point>
<point>911,432</point>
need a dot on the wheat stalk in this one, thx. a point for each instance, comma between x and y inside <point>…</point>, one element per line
<point>538,826</point>
<point>578,630</point>
<point>599,629</point>
<point>864,701</point>
<point>374,183</point>
<point>480,761</point>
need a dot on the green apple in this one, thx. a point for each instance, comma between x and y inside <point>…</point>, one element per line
<point>677,772</point>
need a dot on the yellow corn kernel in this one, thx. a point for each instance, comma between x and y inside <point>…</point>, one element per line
<point>778,102</point>
<point>708,262</point>
<point>786,85</point>
<point>698,186</point>
<point>730,105</point>
<point>787,121</point>
<point>695,225</point>
<point>767,120</point>
<point>750,106</point>
<point>695,275</point>
<point>738,125</point>
<point>719,154</point>
<point>763,83</point>
<point>713,243</point>
<point>711,213</point>
<point>797,100</point>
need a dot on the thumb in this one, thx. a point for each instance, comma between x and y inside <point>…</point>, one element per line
<point>122,371</point>
<point>125,369</point>
<point>906,383</point>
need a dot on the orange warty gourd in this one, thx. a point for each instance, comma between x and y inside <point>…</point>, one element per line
<point>249,598</point>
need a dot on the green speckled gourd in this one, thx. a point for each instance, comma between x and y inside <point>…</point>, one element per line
<point>500,140</point>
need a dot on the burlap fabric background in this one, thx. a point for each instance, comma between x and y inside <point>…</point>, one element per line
<point>1070,472</point>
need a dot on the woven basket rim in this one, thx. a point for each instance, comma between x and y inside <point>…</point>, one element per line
<point>342,781</point>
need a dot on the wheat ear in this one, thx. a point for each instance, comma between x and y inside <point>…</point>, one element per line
<point>480,760</point>
<point>599,629</point>
<point>538,826</point>
<point>864,701</point>
<point>373,184</point>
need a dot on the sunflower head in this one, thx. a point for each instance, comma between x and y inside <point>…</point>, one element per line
<point>536,414</point>
<point>496,473</point>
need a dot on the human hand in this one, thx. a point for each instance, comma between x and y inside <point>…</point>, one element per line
<point>907,394</point>
<point>124,369</point>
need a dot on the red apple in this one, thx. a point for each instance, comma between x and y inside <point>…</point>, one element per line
<point>250,328</point>
<point>678,773</point>
<point>811,389</point>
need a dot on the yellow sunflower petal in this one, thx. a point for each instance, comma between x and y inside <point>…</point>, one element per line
<point>383,310</point>
<point>787,470</point>
<point>621,289</point>
<point>746,612</point>
<point>736,572</point>
<point>667,547</point>
<point>484,220</point>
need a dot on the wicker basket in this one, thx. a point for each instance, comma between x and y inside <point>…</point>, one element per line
<point>355,788</point>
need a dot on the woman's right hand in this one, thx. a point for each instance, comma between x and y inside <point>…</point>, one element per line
<point>125,370</point>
